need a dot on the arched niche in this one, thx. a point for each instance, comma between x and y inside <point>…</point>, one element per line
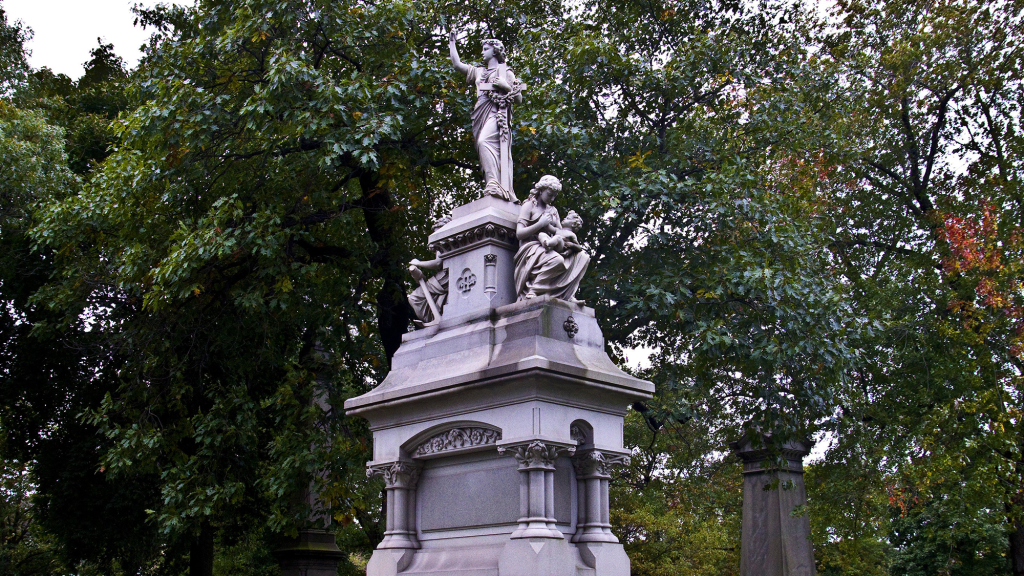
<point>582,433</point>
<point>452,438</point>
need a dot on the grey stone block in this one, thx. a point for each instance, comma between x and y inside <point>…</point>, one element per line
<point>774,541</point>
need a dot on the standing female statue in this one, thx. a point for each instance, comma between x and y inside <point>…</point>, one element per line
<point>496,90</point>
<point>549,261</point>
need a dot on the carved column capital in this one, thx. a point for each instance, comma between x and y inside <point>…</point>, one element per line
<point>537,455</point>
<point>597,464</point>
<point>399,474</point>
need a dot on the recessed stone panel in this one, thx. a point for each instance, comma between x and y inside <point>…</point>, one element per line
<point>460,493</point>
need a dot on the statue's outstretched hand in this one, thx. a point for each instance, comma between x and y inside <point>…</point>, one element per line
<point>416,273</point>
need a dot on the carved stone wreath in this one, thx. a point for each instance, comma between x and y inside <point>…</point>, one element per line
<point>456,439</point>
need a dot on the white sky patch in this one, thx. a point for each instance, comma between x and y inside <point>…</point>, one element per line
<point>822,442</point>
<point>66,30</point>
<point>639,358</point>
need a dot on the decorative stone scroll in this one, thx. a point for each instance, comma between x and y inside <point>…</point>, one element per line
<point>500,234</point>
<point>537,454</point>
<point>396,474</point>
<point>457,439</point>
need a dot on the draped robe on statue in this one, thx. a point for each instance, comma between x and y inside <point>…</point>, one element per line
<point>492,132</point>
<point>546,272</point>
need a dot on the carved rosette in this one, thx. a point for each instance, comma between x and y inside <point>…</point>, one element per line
<point>597,464</point>
<point>457,439</point>
<point>490,231</point>
<point>537,455</point>
<point>400,474</point>
<point>571,327</point>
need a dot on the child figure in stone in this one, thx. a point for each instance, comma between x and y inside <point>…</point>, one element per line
<point>563,239</point>
<point>550,261</point>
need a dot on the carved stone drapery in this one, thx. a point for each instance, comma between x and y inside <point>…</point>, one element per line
<point>457,439</point>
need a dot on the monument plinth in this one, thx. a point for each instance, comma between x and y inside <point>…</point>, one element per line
<point>497,428</point>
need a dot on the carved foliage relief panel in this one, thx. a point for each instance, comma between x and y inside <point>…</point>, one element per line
<point>457,439</point>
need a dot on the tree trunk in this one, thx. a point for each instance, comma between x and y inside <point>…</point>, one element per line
<point>393,311</point>
<point>1017,549</point>
<point>200,557</point>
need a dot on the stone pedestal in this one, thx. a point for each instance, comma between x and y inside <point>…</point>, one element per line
<point>497,428</point>
<point>773,541</point>
<point>312,553</point>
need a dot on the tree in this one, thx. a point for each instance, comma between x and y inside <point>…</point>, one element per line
<point>52,372</point>
<point>243,250</point>
<point>928,212</point>
<point>13,58</point>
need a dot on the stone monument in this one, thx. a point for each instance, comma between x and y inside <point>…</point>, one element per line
<point>501,419</point>
<point>774,540</point>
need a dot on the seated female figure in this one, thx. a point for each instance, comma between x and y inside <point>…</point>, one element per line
<point>549,262</point>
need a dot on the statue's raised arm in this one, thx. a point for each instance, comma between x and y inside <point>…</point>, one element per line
<point>453,51</point>
<point>497,88</point>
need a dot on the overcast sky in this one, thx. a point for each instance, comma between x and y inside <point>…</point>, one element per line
<point>66,30</point>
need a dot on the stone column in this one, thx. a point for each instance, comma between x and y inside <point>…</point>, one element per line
<point>314,551</point>
<point>536,486</point>
<point>400,481</point>
<point>773,541</point>
<point>593,471</point>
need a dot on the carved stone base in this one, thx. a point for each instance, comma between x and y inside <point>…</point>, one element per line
<point>388,562</point>
<point>538,557</point>
<point>605,558</point>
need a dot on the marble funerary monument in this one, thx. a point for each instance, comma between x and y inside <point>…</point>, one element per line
<point>501,419</point>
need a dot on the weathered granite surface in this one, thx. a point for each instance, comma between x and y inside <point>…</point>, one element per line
<point>774,542</point>
<point>497,428</point>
